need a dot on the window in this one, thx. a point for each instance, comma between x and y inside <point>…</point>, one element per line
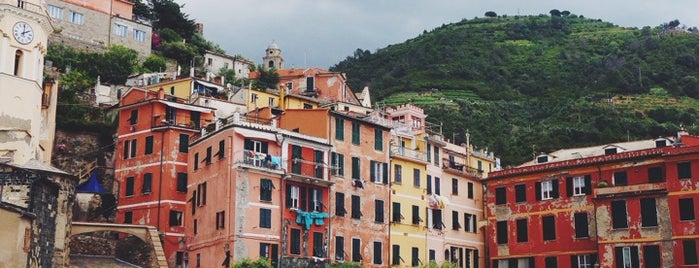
<point>415,256</point>
<point>649,213</point>
<point>583,261</point>
<point>437,186</point>
<point>266,187</point>
<point>295,237</point>
<point>355,168</point>
<point>133,119</point>
<point>315,202</point>
<point>620,178</point>
<point>454,186</point>
<point>428,152</point>
<point>651,256</point>
<point>455,220</point>
<point>378,139</point>
<point>147,183</point>
<point>195,226</point>
<point>502,232</point>
<point>318,244</point>
<point>551,262</point>
<point>55,12</point>
<point>356,207</point>
<point>270,252</point>
<point>128,217</point>
<point>581,225</point>
<point>76,18</point>
<point>470,190</point>
<point>355,132</point>
<point>686,209</point>
<point>207,159</point>
<point>684,170</point>
<point>378,211</point>
<point>379,172</point>
<point>690,251</point>
<point>626,257</point>
<point>580,185</point>
<point>201,194</point>
<point>184,143</point>
<point>339,248</point>
<point>253,97</point>
<point>130,148</point>
<point>500,196</point>
<point>175,218</point>
<point>522,234</point>
<point>416,215</point>
<point>182,182</point>
<point>220,220</point>
<point>292,196</point>
<point>149,145</point>
<point>310,84</point>
<point>338,164</point>
<point>340,204</point>
<point>129,186</point>
<point>548,189</point>
<point>395,213</point>
<point>120,30</point>
<point>395,258</point>
<point>196,161</point>
<point>139,35</point>
<point>270,101</point>
<point>619,215</point>
<point>434,217</point>
<point>416,177</point>
<point>549,228</point>
<point>656,174</point>
<point>318,160</point>
<point>520,193</point>
<point>397,173</point>
<point>470,223</point>
<point>436,156</point>
<point>221,149</point>
<point>356,250</point>
<point>377,252</point>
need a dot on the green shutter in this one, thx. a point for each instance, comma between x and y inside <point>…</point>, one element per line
<point>378,139</point>
<point>339,129</point>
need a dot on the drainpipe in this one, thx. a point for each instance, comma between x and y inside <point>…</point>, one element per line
<point>228,193</point>
<point>160,183</point>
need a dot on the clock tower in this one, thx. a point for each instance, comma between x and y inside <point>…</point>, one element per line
<point>28,102</point>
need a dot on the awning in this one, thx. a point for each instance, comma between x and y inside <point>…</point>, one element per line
<point>188,107</point>
<point>259,134</point>
<point>91,185</point>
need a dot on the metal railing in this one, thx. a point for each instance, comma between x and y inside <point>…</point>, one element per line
<point>257,159</point>
<point>409,153</point>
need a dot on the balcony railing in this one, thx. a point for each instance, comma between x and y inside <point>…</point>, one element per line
<point>630,190</point>
<point>258,160</point>
<point>159,122</point>
<point>460,168</point>
<point>408,153</point>
<point>307,168</point>
<point>26,5</point>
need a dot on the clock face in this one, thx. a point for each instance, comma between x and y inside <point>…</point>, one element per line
<point>23,33</point>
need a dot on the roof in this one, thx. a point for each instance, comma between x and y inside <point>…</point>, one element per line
<point>598,150</point>
<point>37,165</point>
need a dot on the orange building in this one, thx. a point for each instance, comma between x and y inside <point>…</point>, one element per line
<point>257,191</point>
<point>151,163</point>
<point>360,195</point>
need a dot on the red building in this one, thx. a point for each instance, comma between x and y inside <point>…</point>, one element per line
<point>628,204</point>
<point>151,163</point>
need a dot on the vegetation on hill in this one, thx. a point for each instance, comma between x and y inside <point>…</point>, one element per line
<point>528,84</point>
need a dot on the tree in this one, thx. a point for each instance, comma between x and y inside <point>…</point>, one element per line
<point>141,10</point>
<point>674,23</point>
<point>154,63</point>
<point>168,14</point>
<point>491,14</point>
<point>247,263</point>
<point>115,65</point>
<point>182,53</point>
<point>268,79</point>
<point>565,13</point>
<point>555,13</point>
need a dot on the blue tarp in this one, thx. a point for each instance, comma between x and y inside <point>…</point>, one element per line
<point>91,185</point>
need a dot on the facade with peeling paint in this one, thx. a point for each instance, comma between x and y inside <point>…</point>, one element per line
<point>628,204</point>
<point>151,163</point>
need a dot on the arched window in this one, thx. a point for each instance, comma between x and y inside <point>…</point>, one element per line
<point>271,64</point>
<point>18,62</point>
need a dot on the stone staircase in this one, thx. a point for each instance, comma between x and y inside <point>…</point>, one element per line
<point>159,256</point>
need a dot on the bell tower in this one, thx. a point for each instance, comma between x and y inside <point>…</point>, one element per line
<point>273,57</point>
<point>28,103</point>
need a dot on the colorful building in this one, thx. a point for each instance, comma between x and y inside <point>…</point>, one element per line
<point>627,204</point>
<point>151,163</point>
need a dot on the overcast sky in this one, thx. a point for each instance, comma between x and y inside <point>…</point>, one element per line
<point>321,33</point>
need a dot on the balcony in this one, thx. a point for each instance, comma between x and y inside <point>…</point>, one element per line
<point>630,190</point>
<point>182,123</point>
<point>308,172</point>
<point>459,168</point>
<point>408,153</point>
<point>26,5</point>
<point>252,159</point>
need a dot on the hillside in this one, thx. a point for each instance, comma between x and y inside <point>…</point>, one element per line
<point>528,84</point>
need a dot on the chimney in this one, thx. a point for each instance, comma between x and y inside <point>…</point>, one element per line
<point>161,93</point>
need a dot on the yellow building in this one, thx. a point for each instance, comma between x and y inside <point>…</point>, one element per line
<point>408,199</point>
<point>190,88</point>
